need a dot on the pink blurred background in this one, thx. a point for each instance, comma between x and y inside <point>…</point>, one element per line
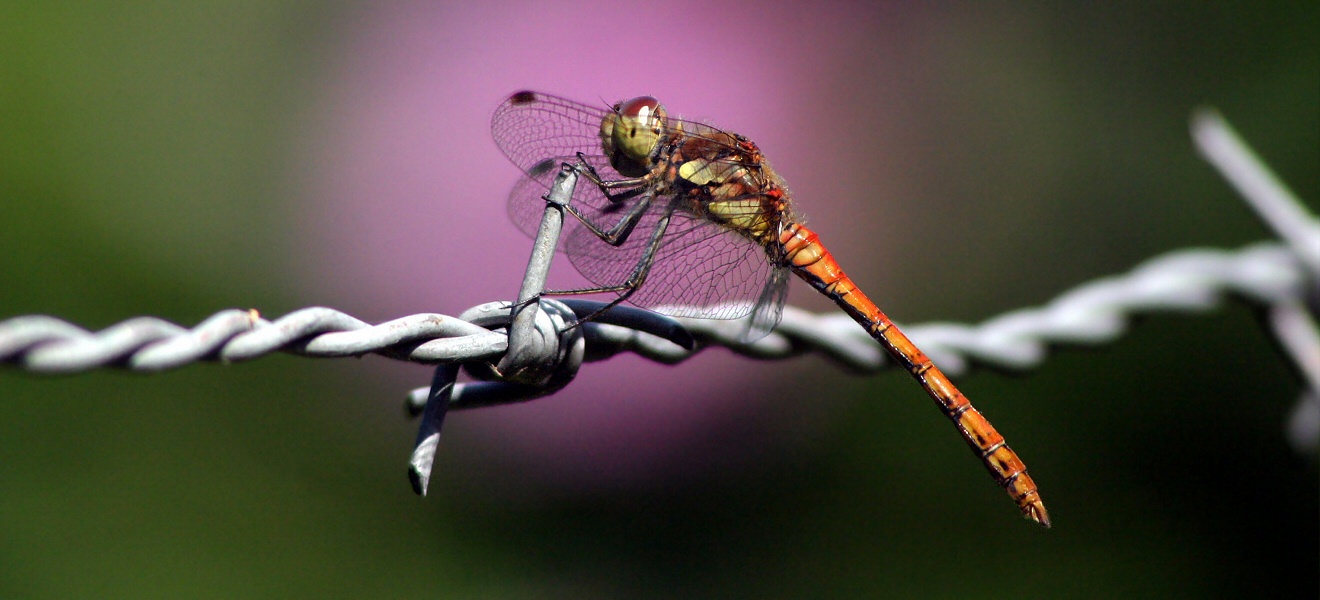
<point>409,194</point>
<point>961,160</point>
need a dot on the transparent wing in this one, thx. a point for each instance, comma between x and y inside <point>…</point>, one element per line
<point>530,127</point>
<point>702,269</point>
<point>540,132</point>
<point>527,203</point>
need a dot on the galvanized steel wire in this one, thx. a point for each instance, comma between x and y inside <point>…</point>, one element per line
<point>1097,312</point>
<point>1279,276</point>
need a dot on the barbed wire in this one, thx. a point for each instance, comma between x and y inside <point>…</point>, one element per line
<point>1195,281</point>
<point>1293,324</point>
<point>523,350</point>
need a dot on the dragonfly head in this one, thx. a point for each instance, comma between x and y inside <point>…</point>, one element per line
<point>631,132</point>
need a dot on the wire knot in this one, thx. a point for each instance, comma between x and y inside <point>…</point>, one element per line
<point>546,348</point>
<point>546,353</point>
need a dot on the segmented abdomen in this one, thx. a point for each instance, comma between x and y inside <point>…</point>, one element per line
<point>813,263</point>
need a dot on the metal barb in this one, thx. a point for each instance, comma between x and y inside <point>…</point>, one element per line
<point>1273,202</point>
<point>1097,312</point>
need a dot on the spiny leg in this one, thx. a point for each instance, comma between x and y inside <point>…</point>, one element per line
<point>622,230</point>
<point>605,185</point>
<point>618,234</point>
<point>638,275</point>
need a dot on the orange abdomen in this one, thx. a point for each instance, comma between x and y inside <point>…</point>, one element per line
<point>813,263</point>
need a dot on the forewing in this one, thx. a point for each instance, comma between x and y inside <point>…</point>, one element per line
<point>530,127</point>
<point>539,133</point>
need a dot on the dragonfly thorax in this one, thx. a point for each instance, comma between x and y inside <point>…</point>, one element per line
<point>631,133</point>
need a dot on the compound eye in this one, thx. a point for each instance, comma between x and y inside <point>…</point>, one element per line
<point>641,108</point>
<point>634,107</point>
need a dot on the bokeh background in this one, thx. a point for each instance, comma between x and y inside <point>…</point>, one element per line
<point>961,160</point>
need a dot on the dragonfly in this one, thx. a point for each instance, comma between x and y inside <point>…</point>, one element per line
<point>691,221</point>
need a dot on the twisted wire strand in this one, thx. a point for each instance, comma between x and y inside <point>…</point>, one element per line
<point>1096,312</point>
<point>44,344</point>
<point>1292,324</point>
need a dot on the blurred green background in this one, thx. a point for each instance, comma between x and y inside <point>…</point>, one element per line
<point>145,160</point>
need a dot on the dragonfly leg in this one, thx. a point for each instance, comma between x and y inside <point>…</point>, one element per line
<point>605,185</point>
<point>620,232</point>
<point>635,279</point>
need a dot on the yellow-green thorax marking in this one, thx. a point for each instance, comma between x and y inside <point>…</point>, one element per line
<point>724,175</point>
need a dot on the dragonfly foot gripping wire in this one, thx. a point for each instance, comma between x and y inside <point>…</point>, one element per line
<point>557,342</point>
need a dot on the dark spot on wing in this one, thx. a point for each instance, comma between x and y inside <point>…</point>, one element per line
<point>523,97</point>
<point>542,167</point>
